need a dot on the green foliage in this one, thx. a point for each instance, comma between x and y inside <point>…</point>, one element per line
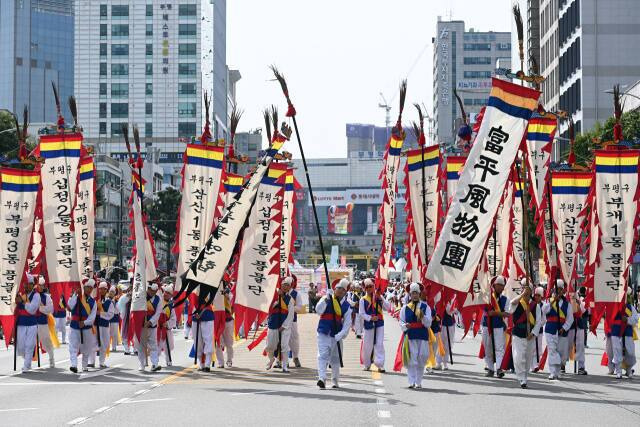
<point>163,214</point>
<point>8,140</point>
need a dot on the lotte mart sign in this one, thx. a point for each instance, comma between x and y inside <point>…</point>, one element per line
<point>357,196</point>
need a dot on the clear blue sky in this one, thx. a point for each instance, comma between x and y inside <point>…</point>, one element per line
<point>338,55</point>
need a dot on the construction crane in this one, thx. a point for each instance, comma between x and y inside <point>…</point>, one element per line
<point>387,117</point>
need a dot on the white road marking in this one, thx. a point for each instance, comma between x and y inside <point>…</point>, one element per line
<point>381,391</point>
<point>99,410</point>
<point>74,383</point>
<point>124,399</point>
<point>18,409</point>
<point>141,391</point>
<point>98,373</point>
<point>251,392</point>
<point>378,382</point>
<point>384,414</point>
<point>382,401</point>
<point>150,400</point>
<point>77,421</point>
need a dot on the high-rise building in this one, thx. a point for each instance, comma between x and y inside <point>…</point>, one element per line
<point>148,63</point>
<point>248,144</point>
<point>465,61</point>
<point>36,48</point>
<point>549,54</point>
<point>370,141</point>
<point>530,11</point>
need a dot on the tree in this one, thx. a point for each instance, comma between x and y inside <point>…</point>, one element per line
<point>8,140</point>
<point>162,214</point>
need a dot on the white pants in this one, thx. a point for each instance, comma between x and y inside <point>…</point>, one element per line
<point>61,326</point>
<point>368,346</point>
<point>609,349</point>
<point>535,356</point>
<point>629,356</point>
<point>443,335</point>
<point>328,353</point>
<point>113,334</point>
<point>205,342</point>
<point>418,356</point>
<point>226,341</point>
<point>149,341</point>
<point>522,351</point>
<point>498,337</point>
<point>105,333</point>
<point>45,339</point>
<point>187,329</point>
<point>84,345</point>
<point>558,352</point>
<point>358,324</point>
<point>26,343</point>
<point>294,340</point>
<point>163,346</point>
<point>272,344</point>
<point>579,345</point>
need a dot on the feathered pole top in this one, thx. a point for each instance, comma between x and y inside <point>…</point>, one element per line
<point>291,111</point>
<point>398,131</point>
<point>617,113</point>
<point>572,140</point>
<point>418,128</point>
<point>206,132</point>
<point>233,126</point>
<point>465,131</point>
<point>60,121</point>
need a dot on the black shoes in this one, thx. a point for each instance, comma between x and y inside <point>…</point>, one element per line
<point>321,385</point>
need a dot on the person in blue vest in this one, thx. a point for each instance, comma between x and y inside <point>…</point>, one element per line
<point>104,314</point>
<point>279,323</point>
<point>447,335</point>
<point>228,330</point>
<point>60,317</point>
<point>622,338</point>
<point>371,308</point>
<point>45,309</point>
<point>493,328</point>
<point>527,319</point>
<point>203,317</point>
<point>83,314</point>
<point>149,340</point>
<point>124,309</point>
<point>578,331</point>
<point>537,345</point>
<point>334,325</point>
<point>166,324</point>
<point>559,317</point>
<point>114,323</point>
<point>294,341</point>
<point>27,304</point>
<point>415,321</point>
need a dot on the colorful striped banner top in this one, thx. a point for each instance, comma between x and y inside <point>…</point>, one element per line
<point>395,146</point>
<point>516,101</point>
<point>233,183</point>
<point>431,157</point>
<point>86,169</point>
<point>565,182</point>
<point>19,180</point>
<point>541,128</point>
<point>454,166</point>
<point>203,155</point>
<point>53,146</point>
<point>276,170</point>
<point>617,161</point>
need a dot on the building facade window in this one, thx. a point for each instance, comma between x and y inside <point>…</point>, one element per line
<point>503,46</point>
<point>103,68</point>
<point>119,11</point>
<point>476,46</point>
<point>119,110</point>
<point>148,89</point>
<point>186,109</point>
<point>103,31</point>
<point>149,49</point>
<point>148,130</point>
<point>186,69</point>
<point>148,69</point>
<point>120,30</point>
<point>119,69</point>
<point>102,128</point>
<point>119,50</point>
<point>116,129</point>
<point>477,74</point>
<point>187,31</point>
<point>149,30</point>
<point>149,10</point>
<point>477,60</point>
<point>119,90</point>
<point>103,50</point>
<point>103,87</point>
<point>187,49</point>
<point>187,10</point>
<point>186,130</point>
<point>148,108</point>
<point>102,110</point>
<point>103,11</point>
<point>186,89</point>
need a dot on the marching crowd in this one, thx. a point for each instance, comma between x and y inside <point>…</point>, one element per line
<point>512,330</point>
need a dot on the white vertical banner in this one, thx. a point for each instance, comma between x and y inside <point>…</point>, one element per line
<point>139,295</point>
<point>287,224</point>
<point>35,261</point>
<point>498,245</point>
<point>455,164</point>
<point>616,202</point>
<point>84,213</point>
<point>481,186</point>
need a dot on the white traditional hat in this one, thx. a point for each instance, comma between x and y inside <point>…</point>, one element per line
<point>153,286</point>
<point>103,285</point>
<point>540,291</point>
<point>560,283</point>
<point>287,280</point>
<point>41,281</point>
<point>414,287</point>
<point>112,289</point>
<point>498,280</point>
<point>368,282</point>
<point>168,289</point>
<point>343,284</point>
<point>90,283</point>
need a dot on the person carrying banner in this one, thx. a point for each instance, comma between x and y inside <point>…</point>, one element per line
<point>45,309</point>
<point>559,317</point>
<point>493,328</point>
<point>104,314</point>
<point>371,308</point>
<point>166,323</point>
<point>527,320</point>
<point>294,341</point>
<point>415,321</point>
<point>83,314</point>
<point>203,334</point>
<point>537,345</point>
<point>124,308</point>
<point>577,331</point>
<point>623,335</point>
<point>149,340</point>
<point>60,317</point>
<point>279,325</point>
<point>358,323</point>
<point>114,322</point>
<point>447,335</point>
<point>333,327</point>
<point>226,338</point>
<point>27,305</point>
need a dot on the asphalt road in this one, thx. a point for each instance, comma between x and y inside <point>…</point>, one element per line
<point>247,394</point>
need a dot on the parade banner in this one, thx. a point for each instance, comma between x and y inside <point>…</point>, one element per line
<point>59,179</point>
<point>18,196</point>
<point>455,164</point>
<point>84,213</point>
<point>35,264</point>
<point>288,225</point>
<point>517,238</point>
<point>389,175</point>
<point>413,260</point>
<point>202,201</point>
<point>431,209</point>
<point>259,270</point>
<point>232,186</point>
<point>569,191</point>
<point>211,263</point>
<point>462,241</point>
<point>499,243</point>
<point>616,202</point>
<point>478,297</point>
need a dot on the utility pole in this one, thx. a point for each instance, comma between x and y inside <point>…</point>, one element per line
<point>387,116</point>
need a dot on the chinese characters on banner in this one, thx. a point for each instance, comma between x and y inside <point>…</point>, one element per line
<point>59,177</point>
<point>201,202</point>
<point>616,203</point>
<point>431,192</point>
<point>18,193</point>
<point>464,234</point>
<point>454,169</point>
<point>389,175</point>
<point>84,217</point>
<point>140,279</point>
<point>569,191</point>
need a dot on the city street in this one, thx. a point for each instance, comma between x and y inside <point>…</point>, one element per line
<point>247,394</point>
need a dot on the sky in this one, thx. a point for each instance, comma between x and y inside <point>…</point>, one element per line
<point>338,56</point>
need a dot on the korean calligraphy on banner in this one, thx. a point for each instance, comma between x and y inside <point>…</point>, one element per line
<point>84,214</point>
<point>569,191</point>
<point>59,177</point>
<point>18,194</point>
<point>202,184</point>
<point>36,245</point>
<point>389,175</point>
<point>454,168</point>
<point>232,185</point>
<point>464,234</point>
<point>259,270</point>
<point>431,192</point>
<point>616,203</point>
<point>288,223</point>
<point>514,267</point>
